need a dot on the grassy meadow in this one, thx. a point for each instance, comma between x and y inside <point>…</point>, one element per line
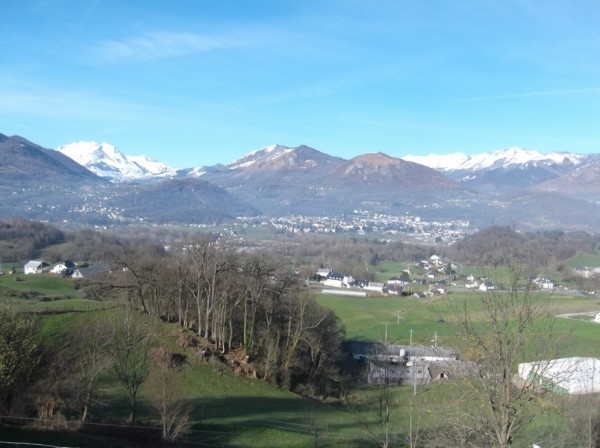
<point>368,319</point>
<point>244,412</point>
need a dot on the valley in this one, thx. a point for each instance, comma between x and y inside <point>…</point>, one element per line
<point>239,396</point>
<point>525,189</point>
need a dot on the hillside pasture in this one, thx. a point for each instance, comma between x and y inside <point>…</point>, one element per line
<point>368,319</point>
<point>45,293</point>
<point>239,411</point>
<point>591,260</point>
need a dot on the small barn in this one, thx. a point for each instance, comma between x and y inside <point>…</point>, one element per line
<point>34,267</point>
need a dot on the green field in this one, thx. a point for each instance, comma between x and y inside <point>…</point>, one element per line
<point>368,319</point>
<point>585,259</point>
<point>45,294</point>
<point>244,412</point>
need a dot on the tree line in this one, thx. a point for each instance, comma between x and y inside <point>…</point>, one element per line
<point>249,301</point>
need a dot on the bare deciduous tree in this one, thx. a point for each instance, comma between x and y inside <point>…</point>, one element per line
<point>167,396</point>
<point>502,329</point>
<point>91,347</point>
<point>130,346</point>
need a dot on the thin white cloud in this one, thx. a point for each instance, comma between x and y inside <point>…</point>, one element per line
<point>161,45</point>
<point>530,94</point>
<point>73,105</point>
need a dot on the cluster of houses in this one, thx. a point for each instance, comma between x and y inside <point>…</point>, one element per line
<point>438,273</point>
<point>435,273</point>
<point>66,268</point>
<point>480,284</point>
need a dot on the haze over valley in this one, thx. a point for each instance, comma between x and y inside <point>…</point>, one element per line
<point>97,185</point>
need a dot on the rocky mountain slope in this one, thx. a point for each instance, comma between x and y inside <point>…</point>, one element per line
<point>29,164</point>
<point>582,182</point>
<point>281,180</point>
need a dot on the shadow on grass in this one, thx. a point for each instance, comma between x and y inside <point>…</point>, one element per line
<point>250,421</point>
<point>244,421</point>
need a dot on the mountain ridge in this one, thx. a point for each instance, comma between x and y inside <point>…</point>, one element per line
<point>502,158</point>
<point>511,186</point>
<point>483,171</point>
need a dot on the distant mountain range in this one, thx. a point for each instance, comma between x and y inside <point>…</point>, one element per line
<point>513,186</point>
<point>505,170</point>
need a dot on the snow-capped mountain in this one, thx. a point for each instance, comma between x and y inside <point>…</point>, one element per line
<point>555,190</point>
<point>104,160</point>
<point>504,158</point>
<point>503,170</point>
<point>260,156</point>
<point>278,157</point>
<point>440,162</point>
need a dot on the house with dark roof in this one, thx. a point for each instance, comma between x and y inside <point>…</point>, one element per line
<point>91,271</point>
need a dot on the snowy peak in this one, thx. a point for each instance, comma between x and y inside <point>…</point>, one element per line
<point>277,157</point>
<point>502,159</point>
<point>104,160</point>
<point>440,162</point>
<point>259,157</point>
<point>516,157</point>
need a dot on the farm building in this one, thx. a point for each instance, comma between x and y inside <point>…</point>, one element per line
<point>34,267</point>
<point>573,376</point>
<point>401,364</point>
<point>91,271</point>
<point>64,267</point>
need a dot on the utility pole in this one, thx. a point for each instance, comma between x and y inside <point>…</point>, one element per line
<point>414,367</point>
<point>397,314</point>
<point>410,337</point>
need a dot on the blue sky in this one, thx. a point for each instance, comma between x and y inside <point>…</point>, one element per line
<point>193,82</point>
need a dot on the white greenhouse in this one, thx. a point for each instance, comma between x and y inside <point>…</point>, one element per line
<point>573,376</point>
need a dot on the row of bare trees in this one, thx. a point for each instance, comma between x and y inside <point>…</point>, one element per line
<point>236,300</point>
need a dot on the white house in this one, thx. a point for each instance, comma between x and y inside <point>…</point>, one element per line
<point>582,271</point>
<point>34,267</point>
<point>322,273</point>
<point>63,267</point>
<point>338,280</point>
<point>544,283</point>
<point>486,286</point>
<point>374,286</point>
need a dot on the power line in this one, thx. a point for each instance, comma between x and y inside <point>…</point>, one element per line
<point>2,442</point>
